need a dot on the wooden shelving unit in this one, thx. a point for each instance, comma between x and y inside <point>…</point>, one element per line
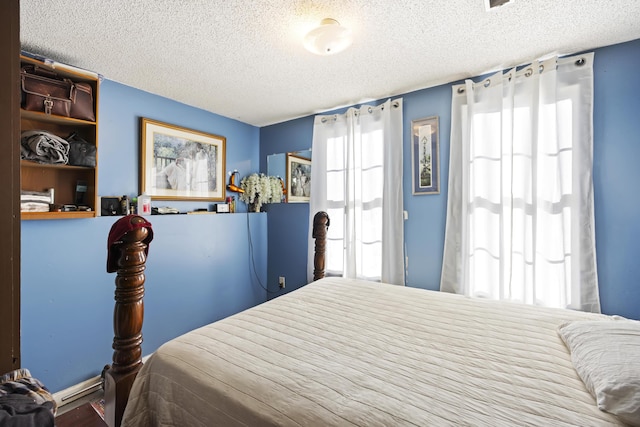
<point>62,178</point>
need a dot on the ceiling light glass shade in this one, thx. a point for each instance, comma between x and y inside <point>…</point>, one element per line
<point>328,39</point>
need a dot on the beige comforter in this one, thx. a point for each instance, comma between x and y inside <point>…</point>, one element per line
<point>352,353</point>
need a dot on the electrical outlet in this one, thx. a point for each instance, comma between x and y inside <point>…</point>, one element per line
<point>281,282</point>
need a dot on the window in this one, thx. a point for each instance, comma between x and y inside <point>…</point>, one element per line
<point>520,214</point>
<point>357,165</point>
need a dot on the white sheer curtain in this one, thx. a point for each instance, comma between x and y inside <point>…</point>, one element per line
<point>356,177</point>
<point>520,223</point>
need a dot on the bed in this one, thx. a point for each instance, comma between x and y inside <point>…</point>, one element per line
<point>340,352</point>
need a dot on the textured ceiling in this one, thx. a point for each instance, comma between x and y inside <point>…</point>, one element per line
<point>245,59</point>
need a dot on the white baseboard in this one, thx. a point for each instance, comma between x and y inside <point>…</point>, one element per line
<point>82,389</point>
<point>77,391</point>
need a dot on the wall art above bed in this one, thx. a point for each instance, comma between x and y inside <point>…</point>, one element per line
<point>181,164</point>
<point>425,156</point>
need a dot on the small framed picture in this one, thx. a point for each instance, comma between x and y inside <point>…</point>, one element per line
<point>425,156</point>
<point>181,164</point>
<point>298,179</point>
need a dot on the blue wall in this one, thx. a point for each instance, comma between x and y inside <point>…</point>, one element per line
<point>199,269</point>
<point>287,222</point>
<point>616,172</point>
<point>616,177</point>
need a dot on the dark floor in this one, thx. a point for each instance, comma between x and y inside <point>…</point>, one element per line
<point>83,412</point>
<point>82,416</point>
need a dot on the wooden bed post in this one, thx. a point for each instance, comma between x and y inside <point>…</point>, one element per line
<point>127,256</point>
<point>320,225</point>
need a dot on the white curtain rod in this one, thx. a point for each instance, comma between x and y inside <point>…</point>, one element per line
<point>395,104</point>
<point>528,73</point>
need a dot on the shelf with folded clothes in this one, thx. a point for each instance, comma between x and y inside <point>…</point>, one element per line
<point>72,185</point>
<point>42,148</point>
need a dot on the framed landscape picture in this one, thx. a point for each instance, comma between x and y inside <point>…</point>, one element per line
<point>181,164</point>
<point>298,178</point>
<point>425,156</point>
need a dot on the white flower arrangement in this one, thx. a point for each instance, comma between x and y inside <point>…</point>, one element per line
<point>260,189</point>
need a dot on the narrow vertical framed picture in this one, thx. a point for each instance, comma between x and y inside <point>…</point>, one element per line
<point>298,179</point>
<point>425,156</point>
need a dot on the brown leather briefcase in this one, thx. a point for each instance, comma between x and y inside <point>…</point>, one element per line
<point>44,90</point>
<point>45,94</point>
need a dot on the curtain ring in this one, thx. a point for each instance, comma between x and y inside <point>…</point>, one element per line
<point>461,89</point>
<point>528,73</point>
<point>370,110</point>
<point>580,62</point>
<point>487,83</point>
<point>540,68</point>
<point>323,120</point>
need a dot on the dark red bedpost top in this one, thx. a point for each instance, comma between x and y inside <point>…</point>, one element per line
<point>118,230</point>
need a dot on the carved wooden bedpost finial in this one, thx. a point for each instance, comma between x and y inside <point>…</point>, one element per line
<point>320,226</point>
<point>128,247</point>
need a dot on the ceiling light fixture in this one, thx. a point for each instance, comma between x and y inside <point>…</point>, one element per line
<point>328,38</point>
<point>491,4</point>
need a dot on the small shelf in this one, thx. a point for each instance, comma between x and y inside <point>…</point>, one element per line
<point>50,118</point>
<point>56,215</point>
<point>30,164</point>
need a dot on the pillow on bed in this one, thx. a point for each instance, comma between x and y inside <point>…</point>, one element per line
<point>606,355</point>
